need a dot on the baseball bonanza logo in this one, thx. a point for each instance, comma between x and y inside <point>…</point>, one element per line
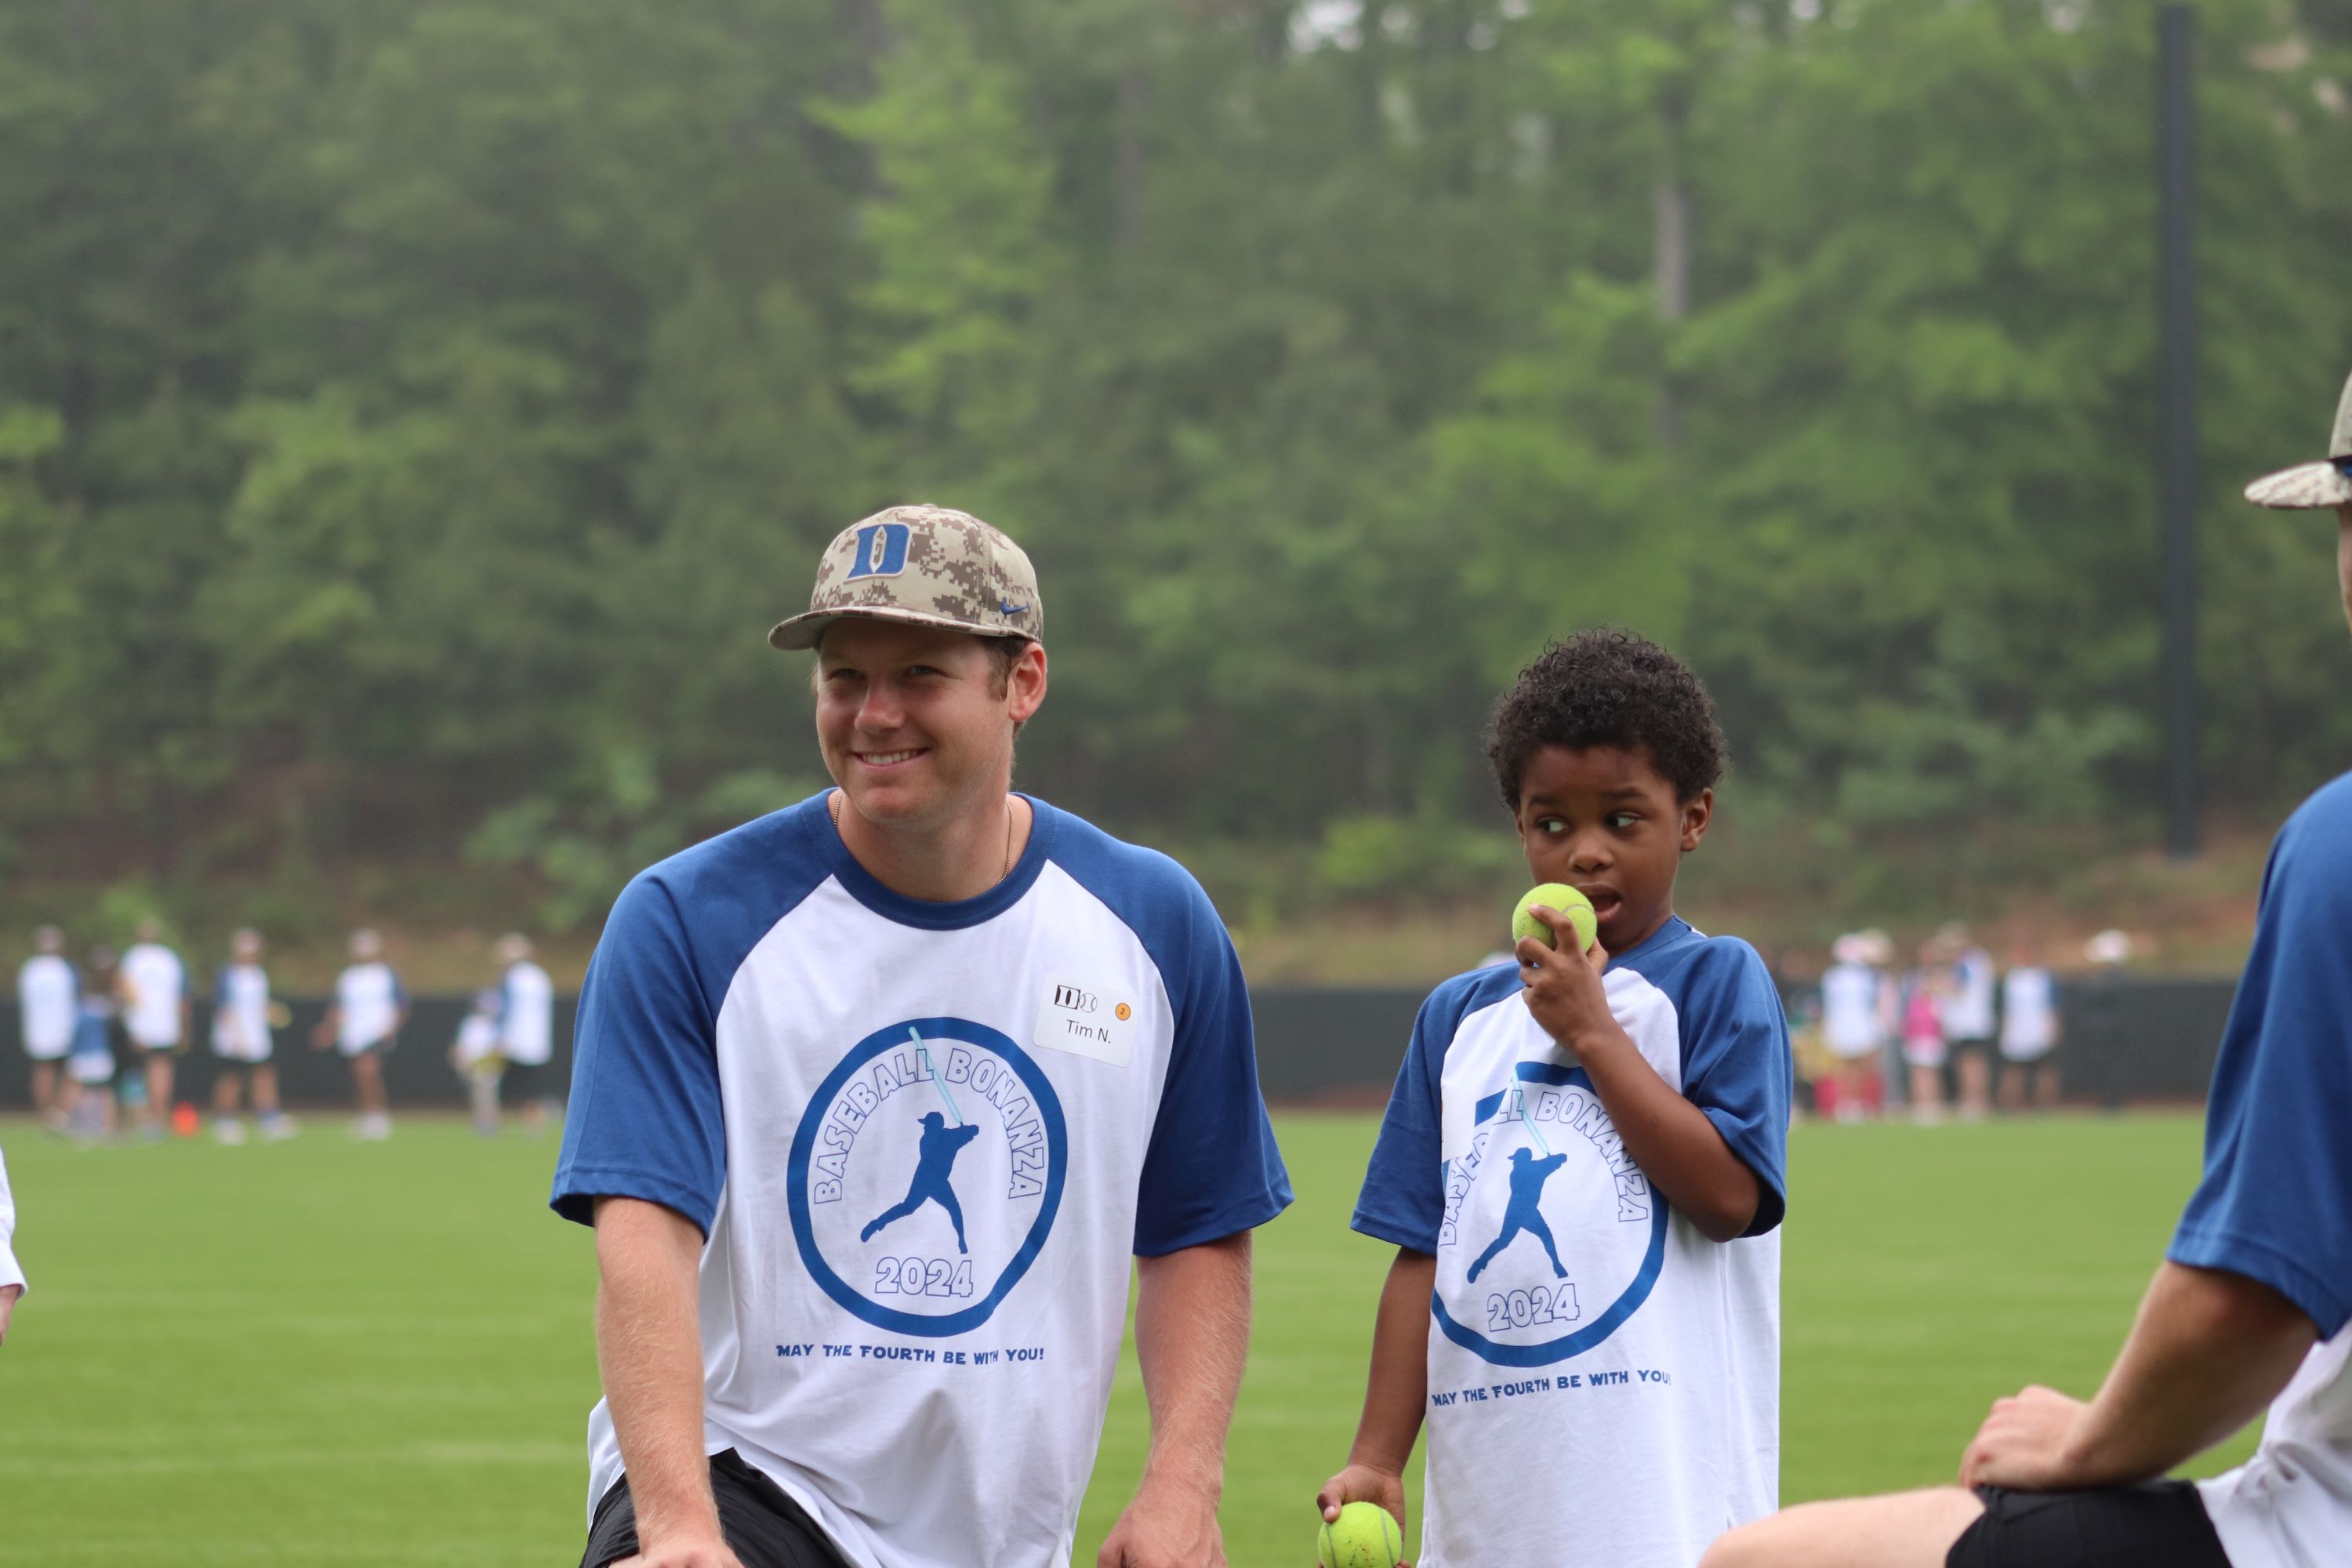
<point>926,1173</point>
<point>1552,1236</point>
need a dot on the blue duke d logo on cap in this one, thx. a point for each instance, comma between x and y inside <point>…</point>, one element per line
<point>926,1173</point>
<point>881,551</point>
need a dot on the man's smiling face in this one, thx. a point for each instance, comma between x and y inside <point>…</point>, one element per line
<point>1606,822</point>
<point>916,723</point>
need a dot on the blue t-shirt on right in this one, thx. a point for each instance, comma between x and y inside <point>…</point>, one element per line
<point>2275,1204</point>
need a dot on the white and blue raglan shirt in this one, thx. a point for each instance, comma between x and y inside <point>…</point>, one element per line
<point>369,1000</point>
<point>2275,1204</point>
<point>525,1015</point>
<point>924,1143</point>
<point>241,1013</point>
<point>1604,1382</point>
<point>49,998</point>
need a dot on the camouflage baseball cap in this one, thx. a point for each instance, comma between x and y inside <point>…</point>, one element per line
<point>925,565</point>
<point>2312,485</point>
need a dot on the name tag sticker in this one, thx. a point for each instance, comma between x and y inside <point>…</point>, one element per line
<point>1086,1021</point>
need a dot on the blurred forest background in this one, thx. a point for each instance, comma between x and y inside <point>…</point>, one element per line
<point>414,414</point>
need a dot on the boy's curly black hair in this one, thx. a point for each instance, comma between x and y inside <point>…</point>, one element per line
<point>1608,687</point>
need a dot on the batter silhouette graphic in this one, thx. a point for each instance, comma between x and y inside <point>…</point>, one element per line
<point>934,1158</point>
<point>1528,1176</point>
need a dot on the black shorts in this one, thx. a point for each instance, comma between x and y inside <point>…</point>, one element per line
<point>524,1082</point>
<point>2160,1524</point>
<point>767,1528</point>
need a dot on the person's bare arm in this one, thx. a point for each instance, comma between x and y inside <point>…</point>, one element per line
<point>649,1352</point>
<point>1191,1336</point>
<point>1395,1392</point>
<point>2208,1349</point>
<point>1677,1147</point>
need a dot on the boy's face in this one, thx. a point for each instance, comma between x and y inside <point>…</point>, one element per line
<point>1606,822</point>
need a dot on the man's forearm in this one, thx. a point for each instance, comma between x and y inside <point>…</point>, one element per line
<point>649,1352</point>
<point>1191,1339</point>
<point>2207,1352</point>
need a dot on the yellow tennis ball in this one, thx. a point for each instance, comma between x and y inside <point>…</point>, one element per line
<point>1365,1535</point>
<point>1568,902</point>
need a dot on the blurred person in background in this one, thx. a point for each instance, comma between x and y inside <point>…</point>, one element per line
<point>1968,1009</point>
<point>48,1001</point>
<point>12,1276</point>
<point>369,1006</point>
<point>242,1015</point>
<point>526,1031</point>
<point>152,985</point>
<point>89,1068</point>
<point>2029,1029</point>
<point>474,1055</point>
<point>1853,1027</point>
<point>1922,1033</point>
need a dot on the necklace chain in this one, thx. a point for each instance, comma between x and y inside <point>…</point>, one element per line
<point>832,809</point>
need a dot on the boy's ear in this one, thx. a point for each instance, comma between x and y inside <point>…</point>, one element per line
<point>1697,813</point>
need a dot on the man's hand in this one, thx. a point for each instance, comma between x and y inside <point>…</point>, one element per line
<point>2028,1444</point>
<point>1563,986</point>
<point>704,1554</point>
<point>8,1294</point>
<point>1363,1483</point>
<point>1165,1528</point>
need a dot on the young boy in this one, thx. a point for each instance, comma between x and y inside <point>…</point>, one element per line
<point>48,1000</point>
<point>475,1057</point>
<point>369,1006</point>
<point>242,1018</point>
<point>1581,1168</point>
<point>90,1069</point>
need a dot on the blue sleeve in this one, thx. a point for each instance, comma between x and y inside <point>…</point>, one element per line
<point>399,991</point>
<point>2275,1204</point>
<point>1403,1195</point>
<point>645,1118</point>
<point>1737,1068</point>
<point>1213,1169</point>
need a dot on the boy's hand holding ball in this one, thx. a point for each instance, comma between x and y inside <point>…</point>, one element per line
<point>1363,1519</point>
<point>1566,998</point>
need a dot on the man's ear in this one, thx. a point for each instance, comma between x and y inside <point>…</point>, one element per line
<point>1697,813</point>
<point>1026,685</point>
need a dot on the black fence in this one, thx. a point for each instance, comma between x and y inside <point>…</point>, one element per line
<point>2127,1041</point>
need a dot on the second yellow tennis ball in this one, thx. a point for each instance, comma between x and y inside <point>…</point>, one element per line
<point>1365,1535</point>
<point>1568,902</point>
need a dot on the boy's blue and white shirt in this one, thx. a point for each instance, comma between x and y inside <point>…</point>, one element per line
<point>924,1141</point>
<point>1604,1382</point>
<point>241,1013</point>
<point>2275,1204</point>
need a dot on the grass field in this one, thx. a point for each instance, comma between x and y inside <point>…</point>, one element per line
<point>328,1352</point>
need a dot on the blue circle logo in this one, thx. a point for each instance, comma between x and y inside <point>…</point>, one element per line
<point>1532,1290</point>
<point>926,1173</point>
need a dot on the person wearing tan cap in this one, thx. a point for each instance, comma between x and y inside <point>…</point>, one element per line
<point>876,1103</point>
<point>2249,1308</point>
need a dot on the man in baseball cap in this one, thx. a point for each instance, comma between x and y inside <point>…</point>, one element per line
<point>2249,1308</point>
<point>921,983</point>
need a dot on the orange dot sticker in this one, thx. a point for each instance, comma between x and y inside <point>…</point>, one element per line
<point>1123,1012</point>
